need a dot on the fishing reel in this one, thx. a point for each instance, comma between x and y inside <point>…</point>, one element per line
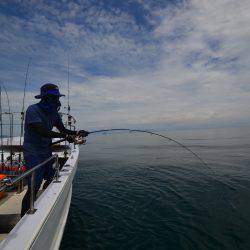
<point>79,139</point>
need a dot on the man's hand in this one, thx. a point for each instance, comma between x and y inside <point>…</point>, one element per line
<point>83,133</point>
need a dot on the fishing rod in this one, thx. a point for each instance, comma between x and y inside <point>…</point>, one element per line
<point>11,123</point>
<point>68,88</point>
<point>68,106</point>
<point>1,118</point>
<point>159,135</point>
<point>23,106</point>
<point>155,134</point>
<point>147,132</point>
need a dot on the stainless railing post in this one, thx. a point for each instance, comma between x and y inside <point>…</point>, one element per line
<point>32,210</point>
<point>57,171</point>
<point>8,182</point>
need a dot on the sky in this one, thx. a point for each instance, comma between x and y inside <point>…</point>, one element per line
<point>159,64</point>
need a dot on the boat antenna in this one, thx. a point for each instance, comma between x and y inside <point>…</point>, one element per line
<point>1,119</point>
<point>23,106</point>
<point>11,122</point>
<point>155,134</point>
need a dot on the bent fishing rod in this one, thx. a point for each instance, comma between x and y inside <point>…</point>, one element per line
<point>147,132</point>
<point>159,135</point>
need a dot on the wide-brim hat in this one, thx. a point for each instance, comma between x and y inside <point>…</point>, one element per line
<point>49,89</point>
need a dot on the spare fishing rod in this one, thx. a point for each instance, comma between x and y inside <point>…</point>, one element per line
<point>68,99</point>
<point>68,108</point>
<point>1,128</point>
<point>11,123</point>
<point>23,107</point>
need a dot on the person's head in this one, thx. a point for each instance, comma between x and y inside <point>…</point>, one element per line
<point>49,95</point>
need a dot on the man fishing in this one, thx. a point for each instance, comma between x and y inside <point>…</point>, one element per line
<point>39,122</point>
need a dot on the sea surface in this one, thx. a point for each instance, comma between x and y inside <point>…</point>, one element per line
<point>137,191</point>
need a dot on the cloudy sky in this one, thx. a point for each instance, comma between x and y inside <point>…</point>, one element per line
<point>133,63</point>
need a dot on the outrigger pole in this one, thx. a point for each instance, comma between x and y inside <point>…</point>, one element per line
<point>23,106</point>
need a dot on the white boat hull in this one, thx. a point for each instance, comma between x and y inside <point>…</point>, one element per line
<point>44,229</point>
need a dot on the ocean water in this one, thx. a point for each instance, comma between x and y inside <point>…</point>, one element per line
<point>136,191</point>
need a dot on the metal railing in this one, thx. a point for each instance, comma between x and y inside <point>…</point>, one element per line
<point>8,182</point>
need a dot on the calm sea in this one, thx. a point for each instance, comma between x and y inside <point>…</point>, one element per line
<point>136,191</point>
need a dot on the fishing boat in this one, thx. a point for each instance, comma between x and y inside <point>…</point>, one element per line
<point>42,227</point>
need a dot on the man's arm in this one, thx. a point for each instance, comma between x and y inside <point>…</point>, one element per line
<point>41,130</point>
<point>63,130</point>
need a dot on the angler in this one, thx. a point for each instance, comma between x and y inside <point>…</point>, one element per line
<point>39,122</point>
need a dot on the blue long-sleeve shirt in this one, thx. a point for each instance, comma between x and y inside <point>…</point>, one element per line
<point>34,143</point>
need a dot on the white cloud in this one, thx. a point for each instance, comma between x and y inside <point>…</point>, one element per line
<point>201,76</point>
<point>206,92</point>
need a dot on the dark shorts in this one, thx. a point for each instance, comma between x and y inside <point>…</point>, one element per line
<point>45,172</point>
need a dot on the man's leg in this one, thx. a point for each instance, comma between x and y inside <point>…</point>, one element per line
<point>48,173</point>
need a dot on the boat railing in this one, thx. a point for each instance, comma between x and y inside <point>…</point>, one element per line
<point>9,182</point>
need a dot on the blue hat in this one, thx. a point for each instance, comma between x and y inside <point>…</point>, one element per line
<point>49,89</point>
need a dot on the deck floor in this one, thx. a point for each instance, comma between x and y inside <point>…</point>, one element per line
<point>11,203</point>
<point>10,210</point>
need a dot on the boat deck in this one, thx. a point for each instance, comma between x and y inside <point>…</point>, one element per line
<point>10,210</point>
<point>44,228</point>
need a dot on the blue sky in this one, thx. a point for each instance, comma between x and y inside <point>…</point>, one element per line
<point>154,64</point>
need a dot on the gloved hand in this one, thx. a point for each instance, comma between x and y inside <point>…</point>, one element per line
<point>83,133</point>
<point>69,139</point>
